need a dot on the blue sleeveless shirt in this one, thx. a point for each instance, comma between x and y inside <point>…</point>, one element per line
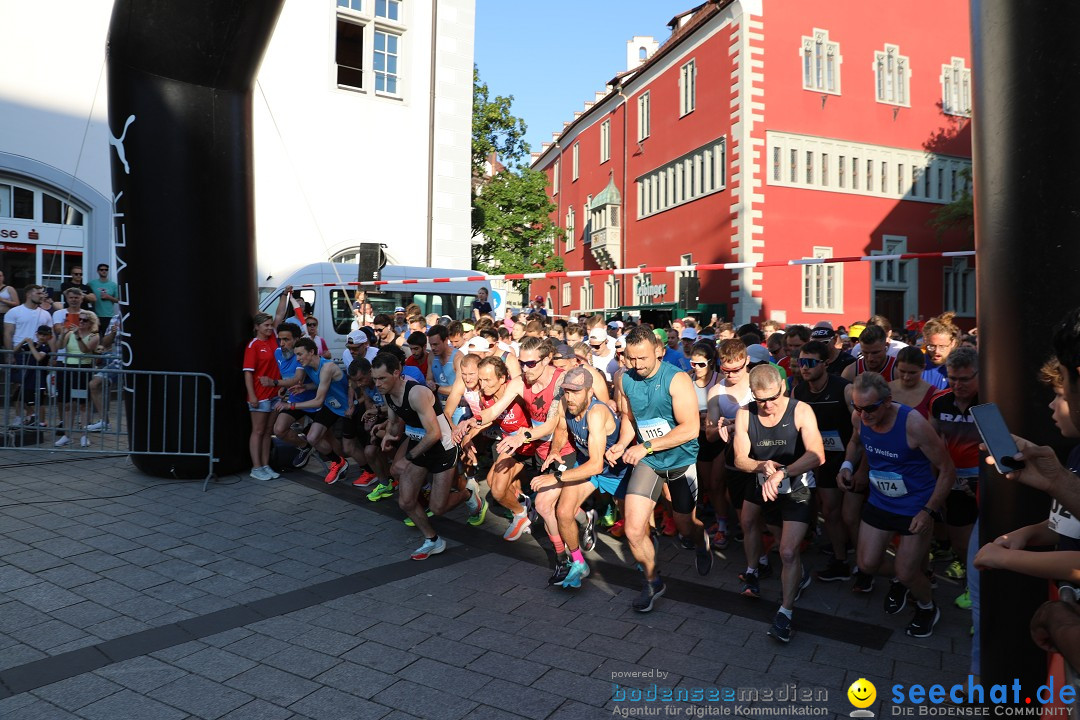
<point>337,397</point>
<point>901,479</point>
<point>579,431</point>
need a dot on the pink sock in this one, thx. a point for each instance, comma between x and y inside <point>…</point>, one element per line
<point>558,543</point>
<point>577,556</point>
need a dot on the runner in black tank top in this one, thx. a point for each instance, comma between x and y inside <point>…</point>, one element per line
<point>777,438</point>
<point>417,413</point>
<point>829,396</point>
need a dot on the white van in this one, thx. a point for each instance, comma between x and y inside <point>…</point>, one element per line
<point>333,306</point>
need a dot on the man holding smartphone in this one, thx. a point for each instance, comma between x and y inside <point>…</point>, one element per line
<point>906,494</point>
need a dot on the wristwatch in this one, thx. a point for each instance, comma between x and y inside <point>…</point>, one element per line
<point>527,435</point>
<point>559,471</point>
<point>783,469</point>
<point>934,514</point>
<point>648,447</point>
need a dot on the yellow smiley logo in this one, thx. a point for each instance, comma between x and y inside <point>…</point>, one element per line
<point>862,693</point>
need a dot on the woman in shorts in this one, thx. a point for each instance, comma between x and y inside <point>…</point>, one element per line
<point>259,362</point>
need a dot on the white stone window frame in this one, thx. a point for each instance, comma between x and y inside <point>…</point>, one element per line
<point>687,87</point>
<point>892,76</point>
<point>611,292</point>
<point>956,88</point>
<point>959,288</point>
<point>566,294</point>
<point>644,120</point>
<point>556,168</point>
<point>575,154</point>
<point>697,174</point>
<point>605,141</point>
<point>643,280</point>
<point>817,297</point>
<point>571,238</point>
<point>397,33</point>
<point>820,62</point>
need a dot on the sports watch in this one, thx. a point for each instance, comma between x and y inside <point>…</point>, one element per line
<point>648,447</point>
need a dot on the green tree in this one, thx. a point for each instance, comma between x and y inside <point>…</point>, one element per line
<point>960,213</point>
<point>511,210</point>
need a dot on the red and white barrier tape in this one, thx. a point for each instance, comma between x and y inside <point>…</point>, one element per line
<point>655,269</point>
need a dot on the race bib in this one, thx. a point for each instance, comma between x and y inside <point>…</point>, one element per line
<point>653,429</point>
<point>965,478</point>
<point>376,397</point>
<point>414,433</point>
<point>785,484</point>
<point>1063,522</point>
<point>831,440</point>
<point>888,484</point>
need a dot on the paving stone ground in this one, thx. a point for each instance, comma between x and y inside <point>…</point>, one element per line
<point>125,596</point>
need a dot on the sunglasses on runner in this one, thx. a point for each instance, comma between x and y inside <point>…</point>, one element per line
<point>529,363</point>
<point>732,371</point>
<point>698,364</point>
<point>769,399</point>
<point>809,362</point>
<point>873,406</point>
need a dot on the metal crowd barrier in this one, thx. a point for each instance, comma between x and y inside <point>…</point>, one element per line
<point>83,408</point>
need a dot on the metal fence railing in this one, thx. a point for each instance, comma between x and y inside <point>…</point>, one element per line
<point>92,405</point>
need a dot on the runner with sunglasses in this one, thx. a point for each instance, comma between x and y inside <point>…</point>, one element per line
<point>777,439</point>
<point>709,463</point>
<point>911,474</point>
<point>829,396</point>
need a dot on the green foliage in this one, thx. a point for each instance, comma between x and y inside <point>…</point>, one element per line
<point>494,128</point>
<point>960,213</point>
<point>511,210</point>
<point>514,215</point>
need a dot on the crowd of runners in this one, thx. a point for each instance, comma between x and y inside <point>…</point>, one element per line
<point>855,440</point>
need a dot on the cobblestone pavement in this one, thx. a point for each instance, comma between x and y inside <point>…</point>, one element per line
<point>124,596</point>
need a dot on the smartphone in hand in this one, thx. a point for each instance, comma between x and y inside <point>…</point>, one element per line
<point>996,437</point>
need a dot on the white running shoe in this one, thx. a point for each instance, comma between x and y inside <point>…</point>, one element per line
<point>84,441</point>
<point>64,440</point>
<point>98,426</point>
<point>258,474</point>
<point>269,473</point>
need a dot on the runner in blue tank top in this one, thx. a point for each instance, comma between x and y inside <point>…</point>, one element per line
<point>658,401</point>
<point>906,495</point>
<point>330,402</point>
<point>593,428</point>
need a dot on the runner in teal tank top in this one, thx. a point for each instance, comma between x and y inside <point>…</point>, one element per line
<point>330,401</point>
<point>659,406</point>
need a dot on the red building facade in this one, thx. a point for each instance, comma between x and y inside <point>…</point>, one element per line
<point>769,131</point>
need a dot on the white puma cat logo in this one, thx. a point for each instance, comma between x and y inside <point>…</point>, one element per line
<point>118,143</point>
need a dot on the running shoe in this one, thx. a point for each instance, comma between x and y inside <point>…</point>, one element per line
<point>940,551</point>
<point>578,571</point>
<point>963,601</point>
<point>764,571</point>
<point>956,570</point>
<point>751,587</point>
<point>703,558</point>
<point>302,457</point>
<point>258,474</point>
<point>519,525</point>
<point>864,582</point>
<point>720,540</point>
<point>650,592</point>
<point>803,583</point>
<point>686,542</point>
<point>92,427</point>
<point>366,480</point>
<point>474,500</point>
<point>781,627</point>
<point>611,515</point>
<point>408,522</point>
<point>837,570</point>
<point>896,599</point>
<point>429,548</point>
<point>84,442</point>
<point>382,490</point>
<point>562,569</point>
<point>617,529</point>
<point>588,533</point>
<point>338,468</point>
<point>477,518</point>
<point>530,511</point>
<point>922,625</point>
<point>269,473</point>
<point>64,440</point>
<point>737,534</point>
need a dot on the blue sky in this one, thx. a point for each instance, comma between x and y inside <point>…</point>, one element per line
<point>552,56</point>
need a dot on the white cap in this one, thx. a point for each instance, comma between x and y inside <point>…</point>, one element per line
<point>758,353</point>
<point>477,344</point>
<point>598,334</point>
<point>357,336</point>
<point>615,324</point>
<point>688,334</point>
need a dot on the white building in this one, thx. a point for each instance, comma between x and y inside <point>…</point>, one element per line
<point>362,128</point>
